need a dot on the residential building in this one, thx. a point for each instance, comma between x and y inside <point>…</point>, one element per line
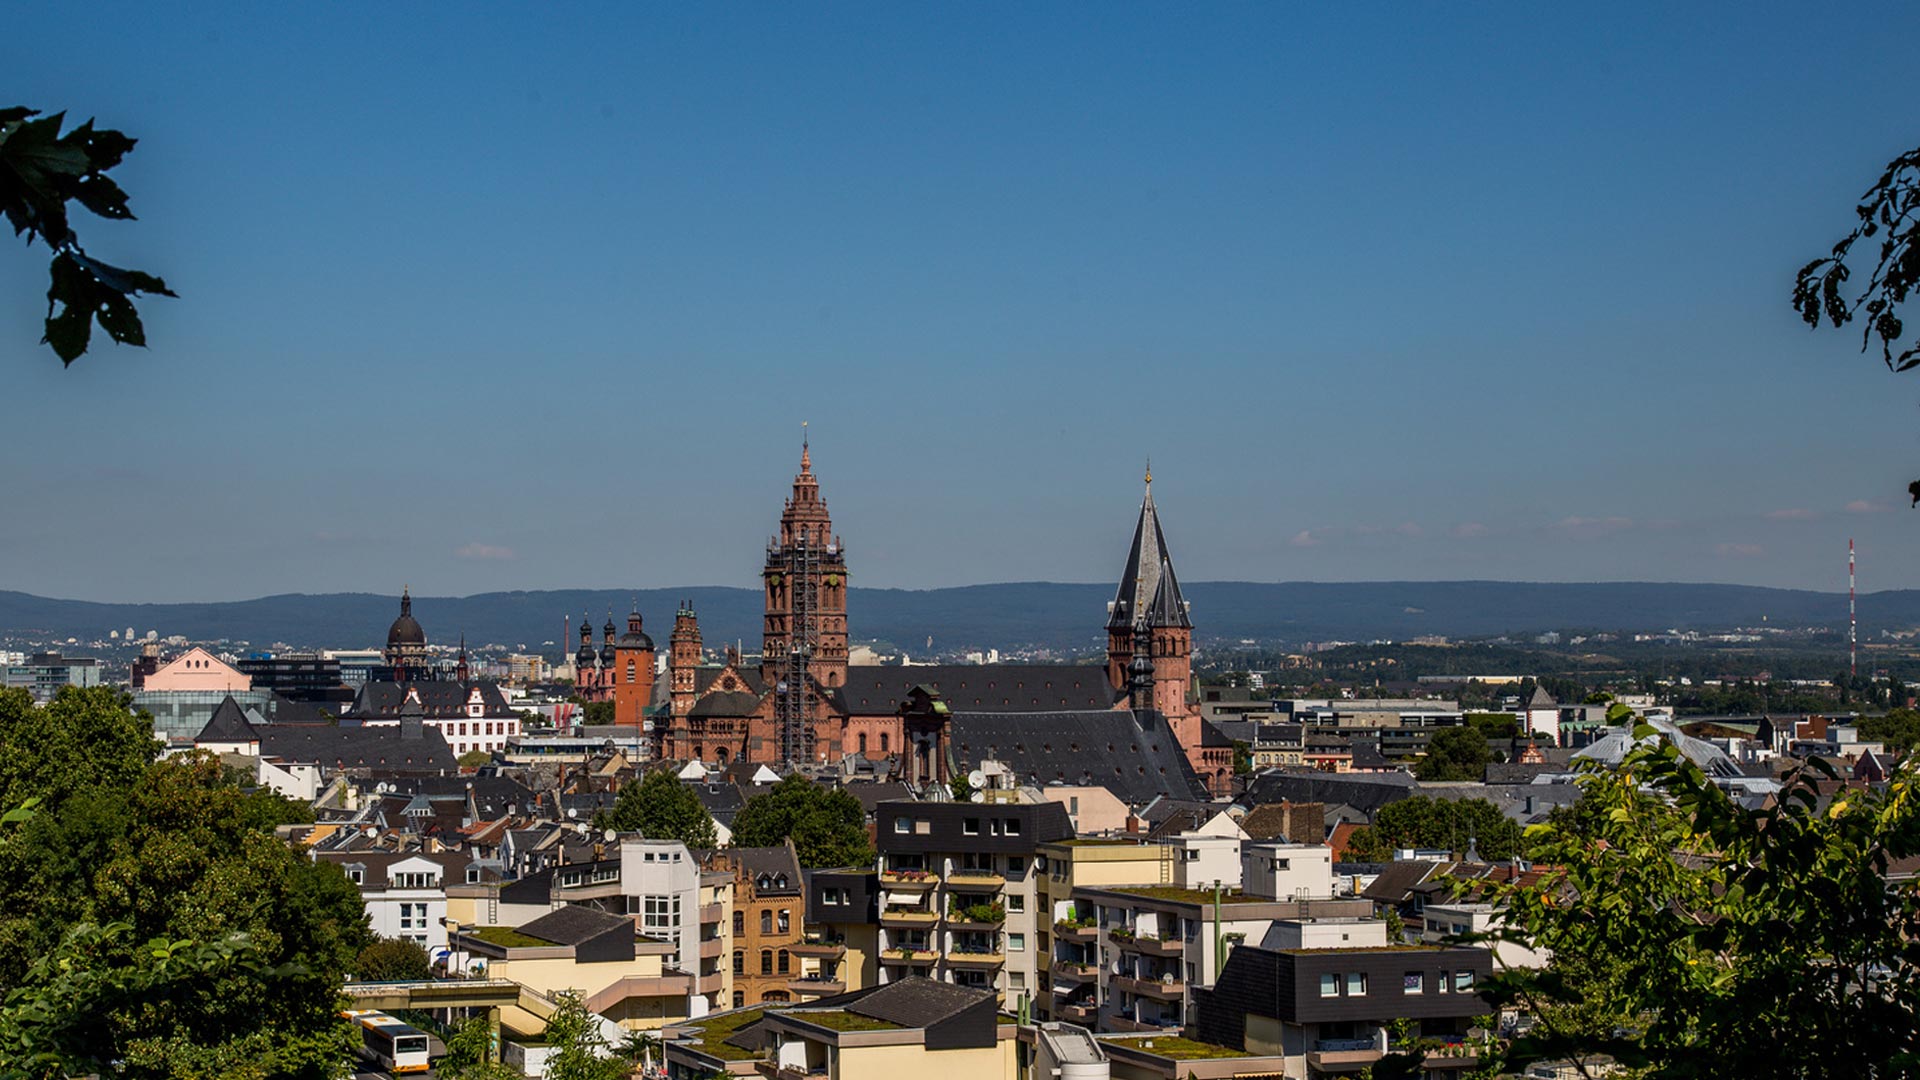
<point>406,892</point>
<point>1441,921</point>
<point>914,1027</point>
<point>769,920</point>
<point>840,949</point>
<point>620,974</point>
<point>469,715</point>
<point>959,891</point>
<point>1328,1010</point>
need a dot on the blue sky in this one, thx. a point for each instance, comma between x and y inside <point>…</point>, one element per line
<point>523,297</point>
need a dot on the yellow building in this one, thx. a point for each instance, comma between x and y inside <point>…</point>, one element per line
<point>618,973</point>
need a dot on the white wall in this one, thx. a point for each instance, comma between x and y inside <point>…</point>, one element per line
<point>1287,871</point>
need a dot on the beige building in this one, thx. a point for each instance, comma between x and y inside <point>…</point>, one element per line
<point>912,1027</point>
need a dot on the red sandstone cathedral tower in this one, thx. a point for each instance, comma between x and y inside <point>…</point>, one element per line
<point>804,647</point>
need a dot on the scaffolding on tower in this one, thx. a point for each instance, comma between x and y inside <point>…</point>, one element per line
<point>803,585</point>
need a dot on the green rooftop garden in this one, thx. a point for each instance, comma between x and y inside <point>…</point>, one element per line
<point>842,1020</point>
<point>1178,1048</point>
<point>506,937</point>
<point>712,1035</point>
<point>1190,896</point>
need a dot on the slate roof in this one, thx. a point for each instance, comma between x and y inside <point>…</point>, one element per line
<point>874,793</point>
<point>771,862</point>
<point>379,750</point>
<point>493,796</point>
<point>1133,755</point>
<point>878,691</point>
<point>1365,792</point>
<point>728,703</point>
<point>1514,772</point>
<point>1541,699</point>
<point>1148,591</point>
<point>572,924</point>
<point>228,724</point>
<point>916,1001</point>
<point>439,699</point>
<point>707,674</point>
<point>721,800</point>
<point>1397,881</point>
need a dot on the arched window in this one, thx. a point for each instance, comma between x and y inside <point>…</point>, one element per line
<point>883,742</point>
<point>739,962</point>
<point>766,922</point>
<point>739,999</point>
<point>863,742</point>
<point>766,961</point>
<point>774,995</point>
<point>739,923</point>
<point>783,961</point>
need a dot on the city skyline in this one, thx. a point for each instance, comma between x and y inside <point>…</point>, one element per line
<point>541,301</point>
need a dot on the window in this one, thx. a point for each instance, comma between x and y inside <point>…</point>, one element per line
<point>1016,943</point>
<point>1462,982</point>
<point>970,827</point>
<point>766,961</point>
<point>1016,980</point>
<point>1329,986</point>
<point>766,922</point>
<point>1013,826</point>
<point>1356,984</point>
<point>785,926</point>
<point>413,917</point>
<point>863,742</point>
<point>1016,865</point>
<point>1413,982</point>
<point>1016,903</point>
<point>473,875</point>
<point>739,923</point>
<point>883,742</point>
<point>739,962</point>
<point>357,876</point>
<point>660,916</point>
<point>902,825</point>
<point>783,961</point>
<point>739,999</point>
<point>1441,983</point>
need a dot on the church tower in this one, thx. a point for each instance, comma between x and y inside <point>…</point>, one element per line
<point>683,663</point>
<point>632,673</point>
<point>1149,636</point>
<point>804,643</point>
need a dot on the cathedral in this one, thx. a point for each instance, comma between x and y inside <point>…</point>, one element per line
<point>1130,723</point>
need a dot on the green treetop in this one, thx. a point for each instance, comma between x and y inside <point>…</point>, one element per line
<point>662,808</point>
<point>828,825</point>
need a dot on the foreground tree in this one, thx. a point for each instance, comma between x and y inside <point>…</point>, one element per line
<point>660,807</point>
<point>42,171</point>
<point>193,942</point>
<point>1899,729</point>
<point>828,825</point>
<point>580,1052</point>
<point>1692,937</point>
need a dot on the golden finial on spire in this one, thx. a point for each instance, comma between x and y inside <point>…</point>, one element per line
<point>806,455</point>
<point>1149,470</point>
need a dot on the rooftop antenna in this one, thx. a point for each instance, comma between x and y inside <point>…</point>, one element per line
<point>1853,622</point>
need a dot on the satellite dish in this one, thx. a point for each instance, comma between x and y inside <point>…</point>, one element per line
<point>573,813</point>
<point>978,796</point>
<point>608,835</point>
<point>582,828</point>
<point>976,779</point>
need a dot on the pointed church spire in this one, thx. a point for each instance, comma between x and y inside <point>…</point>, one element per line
<point>806,452</point>
<point>1149,592</point>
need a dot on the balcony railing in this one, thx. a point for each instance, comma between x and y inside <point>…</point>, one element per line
<point>1158,989</point>
<point>830,948</point>
<point>1079,933</point>
<point>1074,971</point>
<point>964,878</point>
<point>909,879</point>
<point>897,917</point>
<point>976,959</point>
<point>908,956</point>
<point>1148,944</point>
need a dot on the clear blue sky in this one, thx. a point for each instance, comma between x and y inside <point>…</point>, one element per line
<point>538,296</point>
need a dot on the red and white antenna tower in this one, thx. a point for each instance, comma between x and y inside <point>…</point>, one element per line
<point>1853,623</point>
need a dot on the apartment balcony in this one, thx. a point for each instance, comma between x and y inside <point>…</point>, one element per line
<point>976,959</point>
<point>908,918</point>
<point>1450,1056</point>
<point>774,1071</point>
<point>1150,946</point>
<point>1079,935</point>
<point>912,954</point>
<point>1079,1012</point>
<point>1157,989</point>
<point>713,913</point>
<point>711,948</point>
<point>1343,1055</point>
<point>817,986</point>
<point>909,879</point>
<point>710,983</point>
<point>1072,971</point>
<point>976,920</point>
<point>976,879</point>
<point>828,950</point>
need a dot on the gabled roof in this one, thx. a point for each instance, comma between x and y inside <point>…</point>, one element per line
<point>439,699</point>
<point>375,749</point>
<point>228,724</point>
<point>1541,699</point>
<point>775,864</point>
<point>727,703</point>
<point>1398,880</point>
<point>916,1001</point>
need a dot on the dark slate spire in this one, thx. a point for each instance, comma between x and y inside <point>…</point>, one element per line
<point>1149,591</point>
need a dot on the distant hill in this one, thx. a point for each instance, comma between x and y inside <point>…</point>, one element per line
<point>1059,616</point>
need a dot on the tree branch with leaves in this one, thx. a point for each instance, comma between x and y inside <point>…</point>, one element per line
<point>41,172</point>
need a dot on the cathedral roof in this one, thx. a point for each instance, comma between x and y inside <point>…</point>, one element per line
<point>727,703</point>
<point>228,724</point>
<point>1133,755</point>
<point>1148,591</point>
<point>876,691</point>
